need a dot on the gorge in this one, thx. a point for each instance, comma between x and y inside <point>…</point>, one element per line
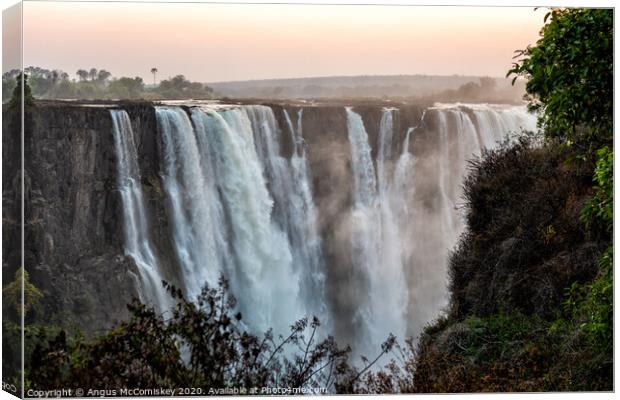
<point>343,211</point>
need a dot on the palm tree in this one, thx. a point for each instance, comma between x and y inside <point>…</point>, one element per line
<point>154,72</point>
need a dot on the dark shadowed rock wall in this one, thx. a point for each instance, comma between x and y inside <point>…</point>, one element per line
<point>73,218</point>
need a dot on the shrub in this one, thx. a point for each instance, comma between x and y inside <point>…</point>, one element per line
<point>202,345</point>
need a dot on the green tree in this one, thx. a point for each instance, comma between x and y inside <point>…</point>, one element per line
<point>12,293</point>
<point>103,75</point>
<point>16,99</point>
<point>92,74</point>
<point>600,209</point>
<point>126,88</point>
<point>569,76</point>
<point>8,84</point>
<point>64,89</point>
<point>179,88</point>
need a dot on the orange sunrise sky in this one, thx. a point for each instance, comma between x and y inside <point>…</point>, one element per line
<point>224,42</point>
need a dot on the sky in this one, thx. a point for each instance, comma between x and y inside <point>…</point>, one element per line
<point>227,42</point>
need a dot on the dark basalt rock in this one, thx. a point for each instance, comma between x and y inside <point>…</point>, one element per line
<point>73,218</point>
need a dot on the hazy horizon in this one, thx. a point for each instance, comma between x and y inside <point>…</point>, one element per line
<point>149,78</point>
<point>216,43</point>
<point>352,76</point>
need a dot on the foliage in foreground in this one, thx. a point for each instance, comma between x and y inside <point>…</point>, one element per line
<point>202,345</point>
<point>509,353</point>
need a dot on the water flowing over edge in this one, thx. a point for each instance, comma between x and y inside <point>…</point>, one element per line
<point>135,222</point>
<point>239,208</point>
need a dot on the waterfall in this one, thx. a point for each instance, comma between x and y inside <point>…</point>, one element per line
<point>404,167</point>
<point>389,274</point>
<point>402,189</point>
<point>224,219</point>
<point>386,131</point>
<point>237,206</point>
<point>195,212</point>
<point>135,222</point>
<point>403,172</point>
<point>364,181</point>
<point>305,238</point>
<point>495,123</point>
<point>447,205</point>
<point>400,245</point>
<point>376,246</point>
<point>463,146</point>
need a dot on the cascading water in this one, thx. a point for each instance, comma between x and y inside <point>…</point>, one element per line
<point>449,219</point>
<point>303,229</point>
<point>135,222</point>
<point>495,122</point>
<point>376,246</point>
<point>195,215</point>
<point>403,171</point>
<point>393,234</point>
<point>402,191</point>
<point>218,157</point>
<point>238,207</point>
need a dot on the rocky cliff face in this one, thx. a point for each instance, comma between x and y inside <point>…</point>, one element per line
<point>72,235</point>
<point>72,216</point>
<point>73,220</point>
<point>11,193</point>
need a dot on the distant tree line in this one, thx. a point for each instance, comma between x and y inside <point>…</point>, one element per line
<point>96,84</point>
<point>484,89</point>
<point>93,84</point>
